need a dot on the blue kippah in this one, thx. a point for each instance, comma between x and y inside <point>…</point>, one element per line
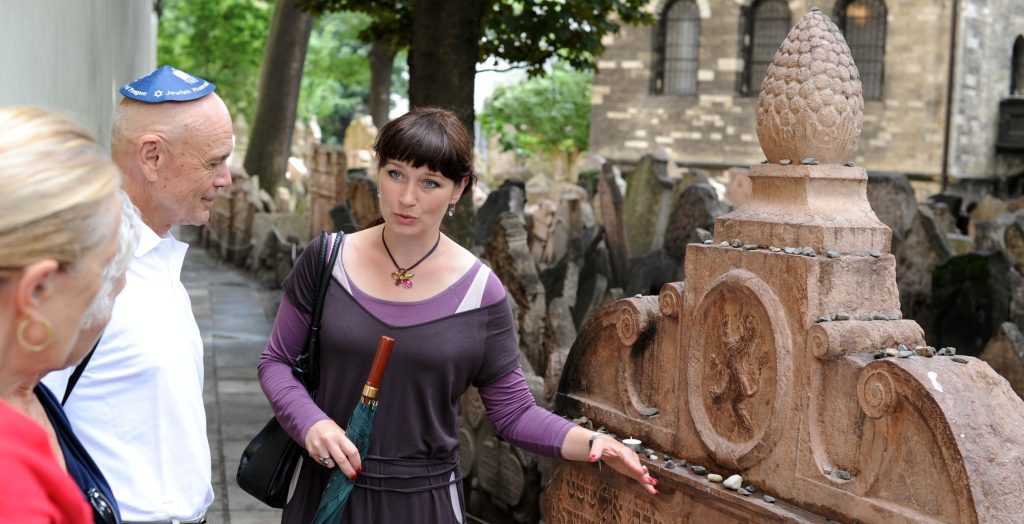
<point>167,84</point>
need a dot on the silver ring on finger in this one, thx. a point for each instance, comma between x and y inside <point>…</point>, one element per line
<point>326,461</point>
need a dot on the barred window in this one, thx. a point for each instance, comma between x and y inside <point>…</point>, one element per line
<point>681,20</point>
<point>767,26</point>
<point>863,25</point>
<point>1017,68</point>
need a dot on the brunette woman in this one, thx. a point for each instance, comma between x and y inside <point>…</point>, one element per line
<point>453,327</point>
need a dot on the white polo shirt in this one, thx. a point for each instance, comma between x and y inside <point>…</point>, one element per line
<point>138,407</point>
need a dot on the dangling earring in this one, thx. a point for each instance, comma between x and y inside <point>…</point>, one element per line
<point>35,348</point>
<point>451,210</point>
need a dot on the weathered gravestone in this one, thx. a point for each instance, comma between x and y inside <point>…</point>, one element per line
<point>510,196</point>
<point>361,194</point>
<point>893,201</point>
<point>697,206</point>
<point>648,201</point>
<point>917,255</point>
<point>988,208</point>
<point>1005,353</point>
<point>741,369</point>
<point>1013,241</point>
<point>509,257</point>
<point>359,137</point>
<point>972,295</point>
<point>327,187</point>
<point>611,204</point>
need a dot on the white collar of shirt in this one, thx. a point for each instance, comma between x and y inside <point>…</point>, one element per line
<point>167,247</point>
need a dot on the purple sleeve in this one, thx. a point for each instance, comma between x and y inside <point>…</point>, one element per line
<point>519,420</point>
<point>294,408</point>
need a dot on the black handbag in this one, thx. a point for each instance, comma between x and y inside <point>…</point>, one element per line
<point>268,462</point>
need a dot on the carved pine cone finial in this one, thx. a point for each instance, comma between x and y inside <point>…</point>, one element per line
<point>811,103</point>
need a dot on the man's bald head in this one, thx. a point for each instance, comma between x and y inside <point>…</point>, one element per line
<point>174,157</point>
<point>133,119</point>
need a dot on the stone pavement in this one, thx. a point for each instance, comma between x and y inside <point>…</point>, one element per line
<point>235,313</point>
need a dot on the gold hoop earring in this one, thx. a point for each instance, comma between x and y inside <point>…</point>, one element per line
<point>451,210</point>
<point>35,348</point>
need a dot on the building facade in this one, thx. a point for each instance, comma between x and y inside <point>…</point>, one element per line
<point>935,73</point>
<point>72,57</point>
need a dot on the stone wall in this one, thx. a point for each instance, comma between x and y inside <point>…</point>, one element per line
<point>987,32</point>
<point>903,132</point>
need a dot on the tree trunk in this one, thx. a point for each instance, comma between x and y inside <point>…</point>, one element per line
<point>382,61</point>
<point>443,53</point>
<point>280,79</point>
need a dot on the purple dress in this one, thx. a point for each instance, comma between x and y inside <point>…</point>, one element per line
<point>411,473</point>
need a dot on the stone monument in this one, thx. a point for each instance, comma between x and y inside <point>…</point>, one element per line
<point>783,356</point>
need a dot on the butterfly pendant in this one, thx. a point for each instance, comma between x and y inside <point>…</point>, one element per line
<point>402,278</point>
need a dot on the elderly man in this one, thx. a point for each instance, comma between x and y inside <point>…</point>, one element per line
<point>138,405</point>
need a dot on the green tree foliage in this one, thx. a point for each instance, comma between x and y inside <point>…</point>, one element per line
<point>544,117</point>
<point>526,33</point>
<point>529,33</point>
<point>220,41</point>
<point>336,82</point>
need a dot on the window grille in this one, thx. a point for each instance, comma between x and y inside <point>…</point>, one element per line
<point>681,21</point>
<point>863,25</point>
<point>767,27</point>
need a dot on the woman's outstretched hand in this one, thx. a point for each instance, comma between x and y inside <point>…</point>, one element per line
<point>327,444</point>
<point>586,445</point>
<point>622,459</point>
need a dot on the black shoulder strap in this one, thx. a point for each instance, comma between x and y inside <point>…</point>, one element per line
<point>77,373</point>
<point>318,311</point>
<point>306,365</point>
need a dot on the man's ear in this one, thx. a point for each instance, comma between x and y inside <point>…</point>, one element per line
<point>36,286</point>
<point>152,154</point>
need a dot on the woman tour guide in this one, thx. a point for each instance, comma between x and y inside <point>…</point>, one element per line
<point>453,328</point>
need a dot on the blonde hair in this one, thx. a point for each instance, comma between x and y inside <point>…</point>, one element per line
<point>54,181</point>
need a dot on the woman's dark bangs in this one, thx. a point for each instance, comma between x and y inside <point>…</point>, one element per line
<point>417,145</point>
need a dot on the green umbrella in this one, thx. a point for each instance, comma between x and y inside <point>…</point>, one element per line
<point>339,487</point>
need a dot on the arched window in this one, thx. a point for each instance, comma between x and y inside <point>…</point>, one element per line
<point>767,26</point>
<point>1017,68</point>
<point>863,24</point>
<point>677,46</point>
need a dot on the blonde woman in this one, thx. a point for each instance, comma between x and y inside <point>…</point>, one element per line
<point>58,231</point>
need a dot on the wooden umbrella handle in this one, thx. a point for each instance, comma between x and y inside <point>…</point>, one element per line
<point>380,361</point>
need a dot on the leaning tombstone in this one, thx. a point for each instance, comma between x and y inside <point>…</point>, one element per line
<point>648,202</point>
<point>893,201</point>
<point>609,195</point>
<point>510,196</point>
<point>923,249</point>
<point>695,209</point>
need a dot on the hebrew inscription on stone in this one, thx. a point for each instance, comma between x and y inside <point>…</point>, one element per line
<point>583,498</point>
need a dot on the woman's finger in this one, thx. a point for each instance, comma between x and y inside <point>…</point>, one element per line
<point>623,460</point>
<point>346,456</point>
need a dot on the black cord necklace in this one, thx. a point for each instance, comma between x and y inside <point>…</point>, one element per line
<point>403,277</point>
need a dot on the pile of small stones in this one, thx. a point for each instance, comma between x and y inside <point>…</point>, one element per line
<point>840,474</point>
<point>733,482</point>
<point>843,315</point>
<point>806,251</point>
<point>902,351</point>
